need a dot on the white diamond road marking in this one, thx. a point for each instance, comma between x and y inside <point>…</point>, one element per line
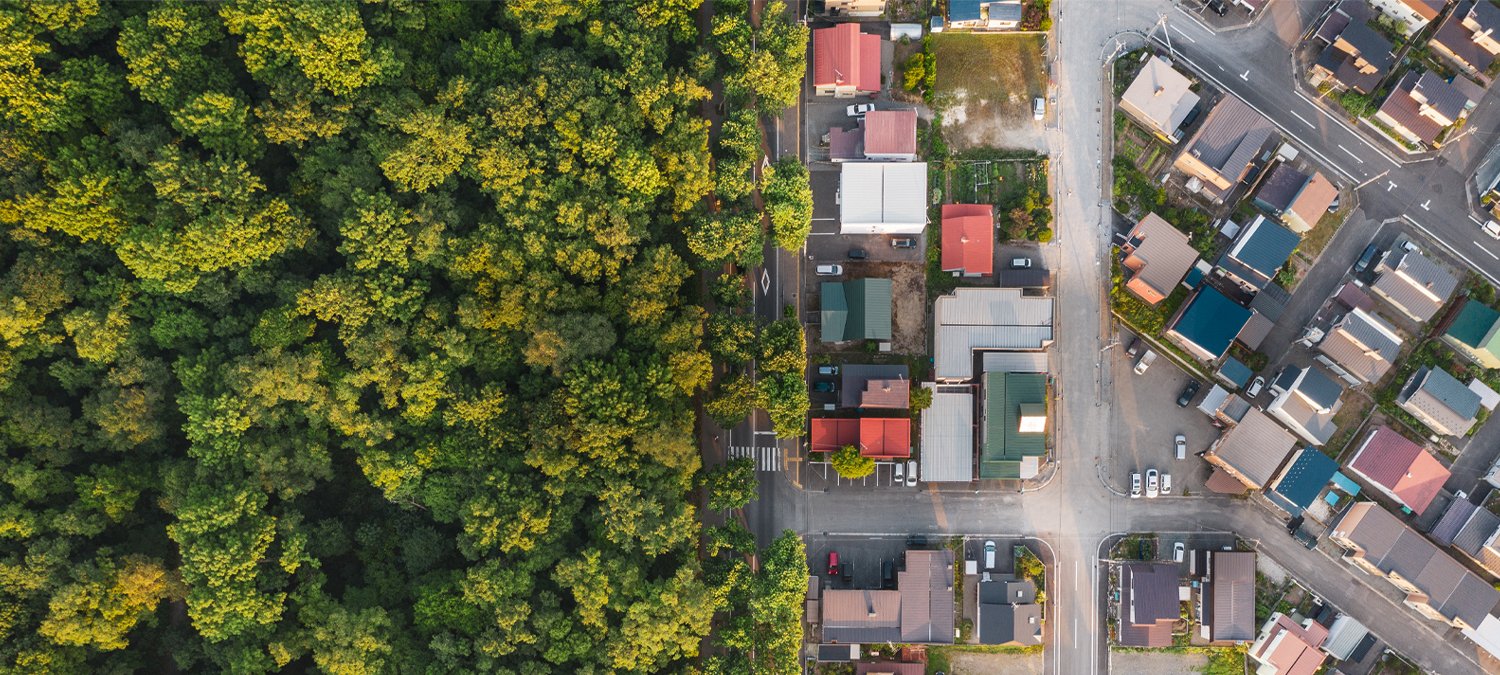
<point>766,459</point>
<point>765,281</point>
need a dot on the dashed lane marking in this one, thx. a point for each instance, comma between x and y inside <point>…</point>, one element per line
<point>1351,154</point>
<point>1304,119</point>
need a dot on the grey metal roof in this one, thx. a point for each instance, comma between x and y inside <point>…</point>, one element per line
<point>861,616</point>
<point>1263,247</point>
<point>1364,344</point>
<point>1005,11</point>
<point>986,318</point>
<point>1008,592</point>
<point>1319,388</point>
<point>1414,284</point>
<point>1230,136</point>
<point>1014,362</point>
<point>1372,46</point>
<point>926,587</point>
<point>1452,393</point>
<point>1441,95</point>
<point>1343,636</point>
<point>948,438</point>
<point>1148,604</point>
<point>1271,301</point>
<point>1453,521</point>
<point>1010,624</point>
<point>1476,530</point>
<point>1233,596</point>
<point>1280,187</point>
<point>1255,447</point>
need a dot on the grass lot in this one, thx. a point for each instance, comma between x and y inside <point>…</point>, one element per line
<point>989,74</point>
<point>998,182</point>
<point>1316,239</point>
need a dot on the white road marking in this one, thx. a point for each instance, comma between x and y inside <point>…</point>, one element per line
<point>1351,154</point>
<point>1486,251</point>
<point>1424,205</point>
<point>1304,119</point>
<point>821,234</point>
<point>1476,220</point>
<point>766,459</point>
<point>1220,67</point>
<point>1391,185</point>
<point>1245,75</point>
<point>1451,249</point>
<point>1185,35</point>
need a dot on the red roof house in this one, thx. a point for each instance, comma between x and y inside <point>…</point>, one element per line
<point>846,62</point>
<point>876,437</point>
<point>891,135</point>
<point>969,239</point>
<point>1399,468</point>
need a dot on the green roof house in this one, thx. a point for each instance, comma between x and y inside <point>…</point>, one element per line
<point>1475,333</point>
<point>859,309</point>
<point>1015,425</point>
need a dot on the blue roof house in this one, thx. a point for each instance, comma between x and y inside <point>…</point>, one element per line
<point>1258,253</point>
<point>1208,324</point>
<point>1300,483</point>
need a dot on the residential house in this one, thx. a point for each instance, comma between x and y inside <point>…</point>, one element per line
<point>969,239</point>
<point>1441,402</point>
<point>1159,99</point>
<point>1344,637</point>
<point>846,62</point>
<point>984,14</point>
<point>1436,586</point>
<point>1306,401</point>
<point>1410,15</point>
<point>948,435</point>
<point>1229,596</point>
<point>1413,284</point>
<point>1298,199</point>
<point>1014,430</point>
<point>1008,613</point>
<point>1157,256</point>
<point>1220,153</point>
<point>1362,345</point>
<point>919,611</point>
<point>1467,38</point>
<point>1148,604</point>
<point>1475,333</point>
<point>856,8</point>
<point>1259,252</point>
<point>1356,57</point>
<point>1473,530</point>
<point>983,319</point>
<point>876,437</point>
<point>891,135</point>
<point>1301,481</point>
<point>1399,469</point>
<point>1285,647</point>
<point>882,197</point>
<point>1249,452</point>
<point>1421,106</point>
<point>875,387</point>
<point>1208,324</point>
<point>858,309</point>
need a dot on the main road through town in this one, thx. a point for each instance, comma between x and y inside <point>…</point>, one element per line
<point>1076,512</point>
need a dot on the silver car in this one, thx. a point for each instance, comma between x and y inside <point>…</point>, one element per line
<point>1135,486</point>
<point>911,473</point>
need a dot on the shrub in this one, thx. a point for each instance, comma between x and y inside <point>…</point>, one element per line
<point>850,464</point>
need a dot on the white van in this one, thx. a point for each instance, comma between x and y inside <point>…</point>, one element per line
<point>830,270</point>
<point>1145,362</point>
<point>900,478</point>
<point>989,555</point>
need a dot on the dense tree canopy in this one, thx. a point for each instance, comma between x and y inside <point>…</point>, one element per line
<point>358,337</point>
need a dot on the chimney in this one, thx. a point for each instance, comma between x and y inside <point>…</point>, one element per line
<point>1159,91</point>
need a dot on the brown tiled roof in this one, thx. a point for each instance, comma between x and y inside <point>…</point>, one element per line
<point>1233,596</point>
<point>1254,448</point>
<point>1160,259</point>
<point>888,668</point>
<point>886,394</point>
<point>926,588</point>
<point>969,238</point>
<point>1406,111</point>
<point>846,143</point>
<point>1230,138</point>
<point>1314,199</point>
<point>891,132</point>
<point>1148,604</point>
<point>1388,459</point>
<point>855,378</point>
<point>861,616</point>
<point>1297,653</point>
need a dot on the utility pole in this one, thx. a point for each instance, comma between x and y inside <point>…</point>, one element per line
<point>1361,186</point>
<point>1161,24</point>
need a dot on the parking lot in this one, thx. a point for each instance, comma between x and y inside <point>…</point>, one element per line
<point>864,556</point>
<point>1137,447</point>
<point>821,476</point>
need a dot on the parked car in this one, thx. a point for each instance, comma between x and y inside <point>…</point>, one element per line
<point>1188,393</point>
<point>900,474</point>
<point>1135,485</point>
<point>1166,483</point>
<point>833,563</point>
<point>1492,228</point>
<point>1178,552</point>
<point>828,370</point>
<point>989,554</point>
<point>904,242</point>
<point>1144,362</point>
<point>1038,108</point>
<point>1153,485</point>
<point>830,270</point>
<point>1255,387</point>
<point>1181,443</point>
<point>1134,349</point>
<point>846,572</point>
<point>911,473</point>
<point>823,387</point>
<point>858,109</point>
<point>857,254</point>
<point>1218,7</point>
<point>1366,258</point>
<point>1020,263</point>
<point>888,574</point>
<point>1333,205</point>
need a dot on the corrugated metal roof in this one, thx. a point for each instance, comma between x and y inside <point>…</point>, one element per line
<point>1014,362</point>
<point>1343,636</point>
<point>1453,520</point>
<point>1159,97</point>
<point>1213,400</point>
<point>1210,322</point>
<point>869,310</point>
<point>1451,393</point>
<point>1235,372</point>
<point>891,132</point>
<point>986,318</point>
<point>888,668</point>
<point>1233,611</point>
<point>1263,247</point>
<point>964,10</point>
<point>841,57</point>
<point>833,316</point>
<point>1005,11</point>
<point>1004,395</point>
<point>1254,448</point>
<point>1475,327</point>
<point>882,197</point>
<point>948,438</point>
<point>926,587</point>
<point>1304,478</point>
<point>1271,301</point>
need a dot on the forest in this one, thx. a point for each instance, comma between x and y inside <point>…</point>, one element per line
<point>361,337</point>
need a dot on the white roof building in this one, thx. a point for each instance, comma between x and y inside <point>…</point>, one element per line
<point>948,435</point>
<point>882,197</point>
<point>986,319</point>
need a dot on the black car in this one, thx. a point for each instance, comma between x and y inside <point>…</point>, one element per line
<point>1188,393</point>
<point>1218,7</point>
<point>857,254</point>
<point>1134,349</point>
<point>888,574</point>
<point>823,387</point>
<point>1366,258</point>
<point>846,573</point>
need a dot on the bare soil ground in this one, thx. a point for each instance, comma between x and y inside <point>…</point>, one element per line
<point>1157,663</point>
<point>985,84</point>
<point>908,307</point>
<point>967,663</point>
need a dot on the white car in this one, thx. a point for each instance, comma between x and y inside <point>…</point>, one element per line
<point>1181,444</point>
<point>1178,551</point>
<point>911,473</point>
<point>860,108</point>
<point>1135,486</point>
<point>1260,382</point>
<point>1166,483</point>
<point>1491,228</point>
<point>830,270</point>
<point>900,478</point>
<point>1038,108</point>
<point>1152,487</point>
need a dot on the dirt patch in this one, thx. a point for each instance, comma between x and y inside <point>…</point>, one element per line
<point>966,663</point>
<point>1157,663</point>
<point>985,85</point>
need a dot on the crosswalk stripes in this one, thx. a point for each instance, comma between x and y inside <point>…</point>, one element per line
<point>766,459</point>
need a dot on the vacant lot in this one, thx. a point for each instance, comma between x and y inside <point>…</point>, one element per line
<point>985,84</point>
<point>1158,663</point>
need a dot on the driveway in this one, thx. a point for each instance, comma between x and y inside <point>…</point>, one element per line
<point>1139,446</point>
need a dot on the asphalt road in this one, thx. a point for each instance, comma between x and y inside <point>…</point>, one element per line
<point>1076,512</point>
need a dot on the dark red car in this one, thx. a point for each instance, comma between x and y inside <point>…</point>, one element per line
<point>833,563</point>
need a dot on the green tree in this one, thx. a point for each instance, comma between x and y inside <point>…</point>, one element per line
<point>850,464</point>
<point>731,486</point>
<point>783,348</point>
<point>788,202</point>
<point>784,398</point>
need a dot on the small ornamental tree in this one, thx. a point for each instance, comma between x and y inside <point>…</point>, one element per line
<point>850,464</point>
